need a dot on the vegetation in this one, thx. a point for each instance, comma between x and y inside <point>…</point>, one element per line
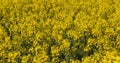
<point>59,31</point>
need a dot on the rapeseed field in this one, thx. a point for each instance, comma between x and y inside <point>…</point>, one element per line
<point>59,31</point>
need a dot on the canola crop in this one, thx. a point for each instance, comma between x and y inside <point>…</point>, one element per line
<point>59,31</point>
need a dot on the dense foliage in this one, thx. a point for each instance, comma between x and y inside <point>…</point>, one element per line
<point>59,31</point>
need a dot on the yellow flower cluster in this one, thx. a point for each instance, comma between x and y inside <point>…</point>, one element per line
<point>59,31</point>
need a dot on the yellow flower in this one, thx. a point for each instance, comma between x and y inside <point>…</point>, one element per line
<point>1,31</point>
<point>66,44</point>
<point>110,30</point>
<point>55,51</point>
<point>95,32</point>
<point>10,54</point>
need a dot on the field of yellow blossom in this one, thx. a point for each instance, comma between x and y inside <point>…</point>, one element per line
<point>59,31</point>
